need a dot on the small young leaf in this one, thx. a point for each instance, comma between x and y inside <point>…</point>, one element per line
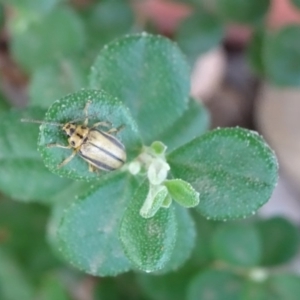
<point>148,243</point>
<point>194,122</point>
<point>154,200</point>
<point>233,169</point>
<point>23,175</point>
<point>88,233</point>
<point>52,81</point>
<point>243,11</point>
<point>156,91</point>
<point>167,201</point>
<point>182,192</point>
<point>199,33</point>
<point>280,240</point>
<point>13,282</point>
<point>219,285</point>
<point>45,40</point>
<point>281,56</point>
<point>237,244</point>
<point>102,108</point>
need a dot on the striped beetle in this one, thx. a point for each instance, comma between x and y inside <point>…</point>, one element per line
<point>100,149</point>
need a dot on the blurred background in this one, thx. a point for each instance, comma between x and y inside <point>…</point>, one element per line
<point>245,69</point>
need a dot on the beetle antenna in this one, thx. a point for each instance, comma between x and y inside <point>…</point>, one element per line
<point>41,122</point>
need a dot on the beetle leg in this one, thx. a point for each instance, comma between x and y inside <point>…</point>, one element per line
<point>67,160</point>
<point>59,146</point>
<point>116,130</point>
<point>104,124</point>
<point>93,169</point>
<point>86,121</point>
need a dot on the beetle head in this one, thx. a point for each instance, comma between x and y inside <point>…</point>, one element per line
<point>69,129</point>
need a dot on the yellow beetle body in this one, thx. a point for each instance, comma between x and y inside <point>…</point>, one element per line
<point>100,149</point>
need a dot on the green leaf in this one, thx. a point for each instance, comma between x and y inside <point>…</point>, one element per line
<point>107,20</point>
<point>286,286</point>
<point>243,11</point>
<point>237,244</point>
<point>22,231</point>
<point>123,286</point>
<point>199,33</point>
<point>259,291</point>
<point>148,243</point>
<point>233,169</point>
<point>88,233</point>
<point>46,40</point>
<point>255,51</point>
<point>281,56</point>
<point>52,288</point>
<point>154,200</point>
<point>23,175</point>
<point>296,3</point>
<point>69,108</point>
<point>216,285</point>
<point>51,82</point>
<point>150,75</point>
<point>280,240</point>
<point>13,282</point>
<point>202,254</point>
<point>276,287</point>
<point>194,122</point>
<point>170,286</point>
<point>62,201</point>
<point>29,6</point>
<point>182,192</point>
<point>4,105</point>
<point>185,240</point>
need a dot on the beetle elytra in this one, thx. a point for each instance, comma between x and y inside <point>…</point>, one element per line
<point>100,149</point>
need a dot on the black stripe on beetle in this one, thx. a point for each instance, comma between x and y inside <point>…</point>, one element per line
<point>99,164</point>
<point>107,152</point>
<point>111,139</point>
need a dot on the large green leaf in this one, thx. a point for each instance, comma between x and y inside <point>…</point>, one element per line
<point>88,233</point>
<point>185,241</point>
<point>194,122</point>
<point>233,169</point>
<point>150,75</point>
<point>148,243</point>
<point>103,107</point>
<point>23,175</point>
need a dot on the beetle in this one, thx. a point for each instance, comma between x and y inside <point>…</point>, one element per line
<point>100,149</point>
